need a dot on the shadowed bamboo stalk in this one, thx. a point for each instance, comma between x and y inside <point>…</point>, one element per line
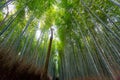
<point>87,46</point>
<point>45,69</point>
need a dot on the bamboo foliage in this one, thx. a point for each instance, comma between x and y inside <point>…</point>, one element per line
<point>86,38</point>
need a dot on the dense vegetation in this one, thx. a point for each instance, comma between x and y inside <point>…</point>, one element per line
<point>86,40</point>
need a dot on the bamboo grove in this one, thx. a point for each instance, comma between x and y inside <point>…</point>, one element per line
<point>86,36</point>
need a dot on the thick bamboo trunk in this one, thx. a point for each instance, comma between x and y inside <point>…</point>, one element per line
<point>45,69</point>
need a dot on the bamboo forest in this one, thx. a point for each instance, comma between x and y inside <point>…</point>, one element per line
<point>59,39</point>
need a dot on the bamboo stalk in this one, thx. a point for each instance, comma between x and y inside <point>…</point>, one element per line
<point>45,69</point>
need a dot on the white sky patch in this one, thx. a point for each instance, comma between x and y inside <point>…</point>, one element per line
<point>58,1</point>
<point>26,13</point>
<point>55,7</point>
<point>98,28</point>
<point>39,24</point>
<point>38,33</point>
<point>11,8</point>
<point>55,33</point>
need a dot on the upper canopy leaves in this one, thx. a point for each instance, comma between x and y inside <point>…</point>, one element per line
<point>85,32</point>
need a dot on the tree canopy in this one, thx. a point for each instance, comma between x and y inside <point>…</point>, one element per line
<point>86,39</point>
